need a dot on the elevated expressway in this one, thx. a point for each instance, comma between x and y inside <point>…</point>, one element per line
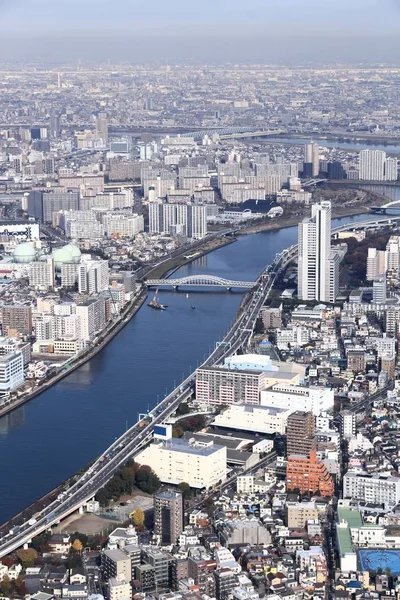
<point>130,442</point>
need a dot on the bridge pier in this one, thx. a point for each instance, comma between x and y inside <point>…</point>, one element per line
<point>81,511</point>
<point>26,546</point>
<point>229,289</point>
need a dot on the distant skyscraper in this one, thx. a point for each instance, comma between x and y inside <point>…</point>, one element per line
<point>54,126</point>
<point>372,165</point>
<point>102,127</point>
<point>168,516</point>
<point>311,156</point>
<point>318,266</point>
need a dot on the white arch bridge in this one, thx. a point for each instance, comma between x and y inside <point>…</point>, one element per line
<point>200,281</point>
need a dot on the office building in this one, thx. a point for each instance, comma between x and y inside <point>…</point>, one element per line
<point>300,433</point>
<point>115,563</point>
<point>55,126</point>
<point>388,365</point>
<point>374,488</point>
<point>220,385</point>
<point>101,127</point>
<point>308,475</point>
<point>372,165</point>
<point>168,516</point>
<point>336,170</point>
<point>347,424</point>
<point>318,266</point>
<point>311,156</point>
<point>16,318</point>
<point>11,372</point>
<point>376,263</point>
<point>179,461</point>
<point>145,575</point>
<point>10,345</point>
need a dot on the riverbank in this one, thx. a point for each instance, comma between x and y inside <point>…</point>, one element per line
<point>105,339</point>
<point>275,225</point>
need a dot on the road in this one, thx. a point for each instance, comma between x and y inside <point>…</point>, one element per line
<point>129,444</point>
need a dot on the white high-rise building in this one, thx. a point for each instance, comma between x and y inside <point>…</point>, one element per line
<point>93,276</point>
<point>11,372</point>
<point>318,265</point>
<point>189,219</point>
<point>41,274</point>
<point>391,169</point>
<point>393,254</point>
<point>376,263</point>
<point>45,328</point>
<point>372,165</point>
<point>311,155</point>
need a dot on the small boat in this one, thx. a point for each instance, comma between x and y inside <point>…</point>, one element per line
<point>193,307</point>
<point>187,295</point>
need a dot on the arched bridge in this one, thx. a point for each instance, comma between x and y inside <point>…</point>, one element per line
<point>201,281</point>
<point>382,209</point>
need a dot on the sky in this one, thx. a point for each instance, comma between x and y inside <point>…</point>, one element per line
<point>265,31</point>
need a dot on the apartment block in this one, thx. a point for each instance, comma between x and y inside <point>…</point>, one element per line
<point>218,385</point>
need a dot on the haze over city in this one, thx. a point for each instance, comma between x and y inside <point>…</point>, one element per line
<point>255,31</point>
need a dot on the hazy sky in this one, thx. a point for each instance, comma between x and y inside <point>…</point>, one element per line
<point>265,30</point>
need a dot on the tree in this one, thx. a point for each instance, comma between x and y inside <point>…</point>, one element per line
<point>137,517</point>
<point>185,489</point>
<point>82,537</point>
<point>147,480</point>
<point>77,545</point>
<point>183,409</point>
<point>20,587</point>
<point>27,557</point>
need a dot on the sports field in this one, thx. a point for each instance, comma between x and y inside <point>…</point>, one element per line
<point>371,560</point>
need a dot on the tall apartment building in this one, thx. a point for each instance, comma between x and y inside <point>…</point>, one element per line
<point>309,475</point>
<point>160,562</point>
<point>202,572</point>
<point>41,274</point>
<point>16,318</point>
<point>123,225</point>
<point>168,516</point>
<point>311,157</point>
<point>42,205</point>
<point>93,276</point>
<point>189,220</point>
<point>372,165</point>
<point>376,263</point>
<point>375,488</point>
<point>11,372</point>
<point>91,317</point>
<point>318,265</point>
<point>298,513</point>
<point>115,563</point>
<point>347,423</point>
<point>300,433</point>
<point>218,385</point>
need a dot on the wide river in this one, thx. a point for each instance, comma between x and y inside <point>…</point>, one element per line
<point>62,430</point>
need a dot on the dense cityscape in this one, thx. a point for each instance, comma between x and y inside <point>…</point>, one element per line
<point>151,211</point>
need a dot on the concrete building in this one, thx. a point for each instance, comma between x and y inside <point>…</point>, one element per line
<point>159,560</point>
<point>220,385</point>
<point>11,372</point>
<point>168,516</point>
<point>93,276</point>
<point>376,263</point>
<point>115,563</point>
<point>41,274</point>
<point>295,397</point>
<point>300,433</point>
<point>247,417</point>
<point>299,513</point>
<point>42,205</point>
<point>91,318</point>
<point>356,360</point>
<point>347,424</point>
<point>175,461</point>
<point>372,165</point>
<point>379,290</point>
<point>119,588</point>
<point>311,157</point>
<point>308,474</point>
<point>16,318</point>
<point>317,264</point>
<point>375,488</point>
<point>189,220</point>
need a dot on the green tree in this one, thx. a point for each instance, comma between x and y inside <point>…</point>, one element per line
<point>147,480</point>
<point>27,557</point>
<point>185,489</point>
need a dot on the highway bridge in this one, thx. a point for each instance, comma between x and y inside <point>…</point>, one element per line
<point>201,281</point>
<point>382,209</point>
<point>130,442</point>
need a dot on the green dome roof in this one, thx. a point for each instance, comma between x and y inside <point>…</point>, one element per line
<point>74,251</point>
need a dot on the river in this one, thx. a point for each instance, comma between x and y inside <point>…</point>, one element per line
<point>62,430</point>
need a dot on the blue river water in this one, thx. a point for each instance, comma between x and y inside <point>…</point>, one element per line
<point>62,430</point>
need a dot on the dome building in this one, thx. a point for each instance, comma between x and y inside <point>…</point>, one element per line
<point>67,254</point>
<point>75,253</point>
<point>24,253</point>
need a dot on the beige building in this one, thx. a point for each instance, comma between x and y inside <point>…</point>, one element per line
<point>116,564</point>
<point>200,464</point>
<point>298,513</point>
<point>219,385</point>
<point>119,588</point>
